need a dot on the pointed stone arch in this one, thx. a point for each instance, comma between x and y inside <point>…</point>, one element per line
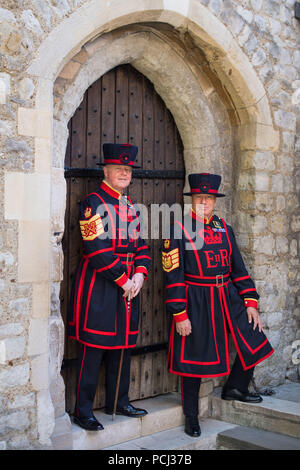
<point>217,81</point>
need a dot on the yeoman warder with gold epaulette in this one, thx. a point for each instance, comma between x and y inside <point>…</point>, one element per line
<point>112,270</point>
<point>210,294</point>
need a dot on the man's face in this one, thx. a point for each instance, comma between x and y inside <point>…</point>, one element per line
<point>203,204</point>
<point>118,176</point>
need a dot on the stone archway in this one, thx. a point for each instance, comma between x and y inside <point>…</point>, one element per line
<point>217,83</point>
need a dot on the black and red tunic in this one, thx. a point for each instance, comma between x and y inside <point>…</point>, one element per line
<point>211,286</point>
<point>99,315</point>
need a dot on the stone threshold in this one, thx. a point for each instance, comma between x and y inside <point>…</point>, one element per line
<point>245,438</point>
<point>279,412</point>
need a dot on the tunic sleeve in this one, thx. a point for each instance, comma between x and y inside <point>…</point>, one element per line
<point>97,244</point>
<point>239,274</point>
<point>173,266</point>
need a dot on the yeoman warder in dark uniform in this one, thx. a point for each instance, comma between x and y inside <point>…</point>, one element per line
<point>112,270</point>
<point>210,294</point>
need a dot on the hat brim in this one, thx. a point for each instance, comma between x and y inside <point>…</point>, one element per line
<point>123,164</point>
<point>209,194</point>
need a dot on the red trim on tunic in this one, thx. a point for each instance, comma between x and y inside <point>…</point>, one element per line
<point>79,380</point>
<point>204,277</point>
<point>143,270</point>
<point>72,323</point>
<point>240,278</point>
<point>79,296</point>
<point>253,351</point>
<point>179,317</point>
<point>96,332</point>
<point>177,284</point>
<point>235,340</point>
<point>122,280</point>
<point>247,290</point>
<point>104,250</point>
<point>250,303</point>
<point>109,266</point>
<point>193,246</point>
<point>212,311</point>
<point>109,190</point>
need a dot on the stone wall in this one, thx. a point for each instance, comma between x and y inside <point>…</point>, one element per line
<point>236,106</point>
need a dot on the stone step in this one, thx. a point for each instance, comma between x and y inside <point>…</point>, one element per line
<point>161,428</point>
<point>164,412</point>
<point>176,439</point>
<point>280,412</point>
<point>245,438</point>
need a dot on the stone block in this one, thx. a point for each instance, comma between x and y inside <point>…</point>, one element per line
<point>38,336</point>
<point>40,300</point>
<point>45,417</point>
<point>43,155</point>
<point>4,87</point>
<point>22,401</point>
<point>58,199</point>
<point>57,392</point>
<point>17,421</point>
<point>81,57</point>
<point>14,376</point>
<point>44,96</point>
<point>264,245</point>
<point>285,119</point>
<point>33,201</point>
<point>70,70</point>
<point>282,245</point>
<point>295,223</point>
<point>33,252</point>
<point>12,348</point>
<point>11,329</point>
<point>62,434</point>
<point>34,123</point>
<point>26,88</point>
<point>39,372</point>
<point>256,136</point>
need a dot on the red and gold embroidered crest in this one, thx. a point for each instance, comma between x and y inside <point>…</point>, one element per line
<point>167,243</point>
<point>170,260</point>
<point>87,212</point>
<point>91,229</point>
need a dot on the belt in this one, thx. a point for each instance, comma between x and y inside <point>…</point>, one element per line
<point>219,280</point>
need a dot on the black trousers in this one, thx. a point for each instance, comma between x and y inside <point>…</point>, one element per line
<point>88,367</point>
<point>190,386</point>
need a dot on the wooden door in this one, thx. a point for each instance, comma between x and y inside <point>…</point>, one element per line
<point>122,106</point>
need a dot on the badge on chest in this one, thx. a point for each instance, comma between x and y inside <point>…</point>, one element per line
<point>216,258</point>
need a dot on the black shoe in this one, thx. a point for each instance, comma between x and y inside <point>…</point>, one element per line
<point>235,394</point>
<point>128,410</point>
<point>90,423</point>
<point>192,427</point>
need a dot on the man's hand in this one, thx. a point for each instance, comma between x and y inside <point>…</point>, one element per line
<point>253,315</point>
<point>138,281</point>
<point>127,288</point>
<point>184,328</point>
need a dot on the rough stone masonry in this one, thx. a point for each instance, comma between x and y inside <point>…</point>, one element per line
<point>35,105</point>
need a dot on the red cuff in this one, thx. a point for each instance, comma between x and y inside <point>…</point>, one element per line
<point>121,280</point>
<point>250,303</point>
<point>181,316</point>
<point>143,270</point>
